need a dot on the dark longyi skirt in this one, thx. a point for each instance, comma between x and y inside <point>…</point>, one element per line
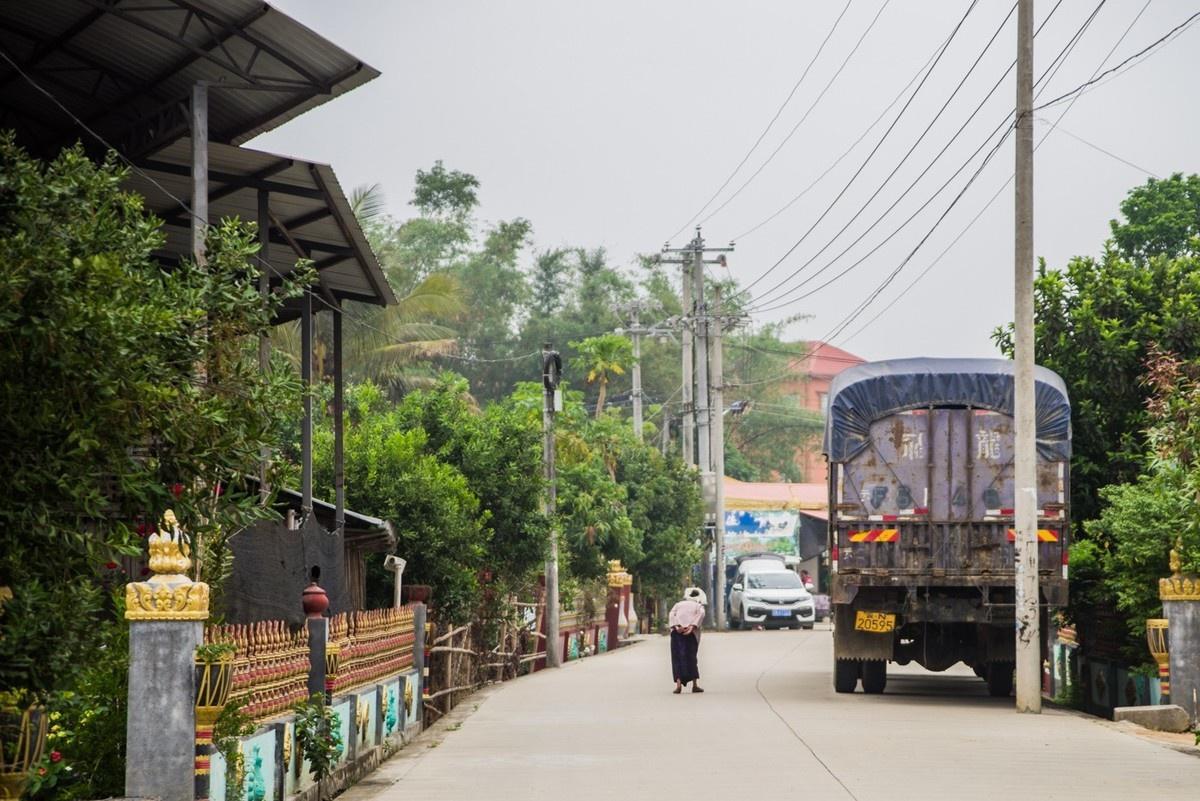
<point>683,657</point>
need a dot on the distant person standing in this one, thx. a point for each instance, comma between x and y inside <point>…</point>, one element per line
<point>686,620</point>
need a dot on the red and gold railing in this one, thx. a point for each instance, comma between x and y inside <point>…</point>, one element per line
<point>370,645</point>
<point>270,669</point>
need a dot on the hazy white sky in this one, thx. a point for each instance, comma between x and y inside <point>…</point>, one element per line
<point>610,124</point>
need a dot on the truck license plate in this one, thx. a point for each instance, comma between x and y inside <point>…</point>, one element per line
<point>878,622</point>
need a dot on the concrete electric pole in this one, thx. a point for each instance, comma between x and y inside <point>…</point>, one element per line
<point>636,331</point>
<point>687,418</point>
<point>717,449</point>
<point>551,372</point>
<point>692,256</point>
<point>1025,557</point>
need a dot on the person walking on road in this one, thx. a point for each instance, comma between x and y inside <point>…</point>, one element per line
<point>686,620</point>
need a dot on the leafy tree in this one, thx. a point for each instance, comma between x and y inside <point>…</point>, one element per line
<point>445,193</point>
<point>1096,322</point>
<point>125,388</point>
<point>499,452</point>
<point>392,474</point>
<point>602,356</point>
<point>1127,546</point>
<point>1162,218</point>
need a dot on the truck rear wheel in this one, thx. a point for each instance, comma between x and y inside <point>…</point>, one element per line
<point>1000,679</point>
<point>874,676</point>
<point>845,675</point>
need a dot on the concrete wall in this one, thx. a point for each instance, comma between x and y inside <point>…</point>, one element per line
<point>369,733</point>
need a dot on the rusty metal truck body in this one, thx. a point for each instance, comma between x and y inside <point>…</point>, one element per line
<point>921,500</point>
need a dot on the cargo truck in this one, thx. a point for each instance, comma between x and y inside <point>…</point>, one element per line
<point>921,532</point>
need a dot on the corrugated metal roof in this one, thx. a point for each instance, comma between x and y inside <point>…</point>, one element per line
<point>126,69</point>
<point>308,210</point>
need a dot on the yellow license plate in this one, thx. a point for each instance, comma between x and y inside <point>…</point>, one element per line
<point>879,622</point>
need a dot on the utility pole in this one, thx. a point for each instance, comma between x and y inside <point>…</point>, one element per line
<point>1025,556</point>
<point>551,372</point>
<point>703,415</point>
<point>717,449</point>
<point>688,418</point>
<point>635,331</point>
<point>692,256</point>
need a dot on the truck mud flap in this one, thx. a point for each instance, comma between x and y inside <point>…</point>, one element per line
<point>851,644</point>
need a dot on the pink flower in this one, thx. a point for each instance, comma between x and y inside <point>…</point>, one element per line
<point>56,756</point>
<point>41,771</point>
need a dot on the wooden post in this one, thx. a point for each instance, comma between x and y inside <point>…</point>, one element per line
<point>264,341</point>
<point>306,365</point>
<point>199,125</point>
<point>339,462</point>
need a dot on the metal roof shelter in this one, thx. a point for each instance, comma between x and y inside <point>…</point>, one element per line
<point>126,69</point>
<point>174,86</point>
<point>307,214</point>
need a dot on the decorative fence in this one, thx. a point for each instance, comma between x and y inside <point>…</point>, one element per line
<point>370,670</point>
<point>370,645</point>
<point>270,665</point>
<point>460,660</point>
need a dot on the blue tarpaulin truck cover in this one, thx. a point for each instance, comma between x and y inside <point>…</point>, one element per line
<point>868,392</point>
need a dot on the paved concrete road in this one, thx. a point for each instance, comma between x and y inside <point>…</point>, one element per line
<point>769,727</point>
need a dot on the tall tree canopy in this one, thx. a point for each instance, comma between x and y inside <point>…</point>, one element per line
<point>1098,319</point>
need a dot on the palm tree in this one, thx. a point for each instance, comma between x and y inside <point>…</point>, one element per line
<point>383,345</point>
<point>600,357</point>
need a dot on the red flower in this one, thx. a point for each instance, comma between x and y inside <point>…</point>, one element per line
<point>56,756</point>
<point>41,771</point>
<point>111,565</point>
<point>177,489</point>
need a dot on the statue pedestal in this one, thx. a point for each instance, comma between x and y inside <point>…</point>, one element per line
<point>1181,604</point>
<point>166,617</point>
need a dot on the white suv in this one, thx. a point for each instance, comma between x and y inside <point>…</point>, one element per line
<point>772,599</point>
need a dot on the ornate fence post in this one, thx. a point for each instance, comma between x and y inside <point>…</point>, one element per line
<point>612,609</point>
<point>166,615</point>
<point>1180,595</point>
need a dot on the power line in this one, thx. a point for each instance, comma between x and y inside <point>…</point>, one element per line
<point>802,119</point>
<point>1003,186</point>
<point>870,155</point>
<point>1099,149</point>
<point>779,302</point>
<point>761,302</point>
<point>1161,40</point>
<point>845,153</point>
<point>770,124</point>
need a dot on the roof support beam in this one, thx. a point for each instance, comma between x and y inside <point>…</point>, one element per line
<point>274,187</point>
<point>179,65</point>
<point>228,188</point>
<point>44,48</point>
<point>308,218</point>
<point>381,290</point>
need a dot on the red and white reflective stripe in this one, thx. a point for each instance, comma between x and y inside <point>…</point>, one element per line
<point>833,559</point>
<point>1066,557</point>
